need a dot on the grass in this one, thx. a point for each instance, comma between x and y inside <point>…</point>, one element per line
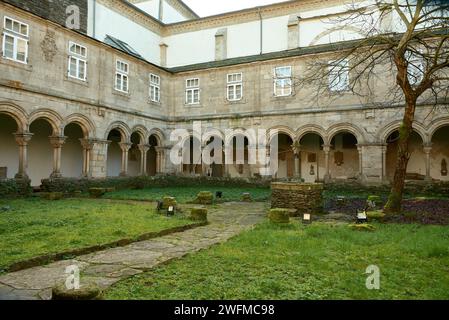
<point>183,194</point>
<point>34,227</point>
<point>318,261</point>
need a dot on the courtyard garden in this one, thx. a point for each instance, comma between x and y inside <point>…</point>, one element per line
<point>32,227</point>
<point>295,261</point>
<point>323,260</point>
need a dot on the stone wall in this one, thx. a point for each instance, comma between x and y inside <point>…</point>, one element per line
<point>304,197</point>
<point>54,10</point>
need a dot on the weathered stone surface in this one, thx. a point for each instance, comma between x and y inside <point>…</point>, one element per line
<point>279,215</point>
<point>198,214</point>
<point>85,292</point>
<point>303,197</point>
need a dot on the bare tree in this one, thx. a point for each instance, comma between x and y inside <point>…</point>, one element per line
<point>406,41</point>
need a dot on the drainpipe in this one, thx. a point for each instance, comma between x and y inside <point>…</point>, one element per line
<point>94,19</point>
<point>261,30</point>
<point>161,8</point>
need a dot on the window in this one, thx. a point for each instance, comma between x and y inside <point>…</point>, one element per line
<point>415,68</point>
<point>235,86</point>
<point>77,61</point>
<point>193,91</point>
<point>121,76</point>
<point>282,81</point>
<point>15,40</point>
<point>155,88</point>
<point>338,75</point>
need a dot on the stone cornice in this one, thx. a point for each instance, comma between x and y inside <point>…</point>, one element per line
<point>180,6</point>
<point>248,15</point>
<point>134,14</point>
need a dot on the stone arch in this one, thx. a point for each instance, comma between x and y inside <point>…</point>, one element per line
<point>332,30</point>
<point>346,127</point>
<point>160,136</point>
<point>436,125</point>
<point>236,132</point>
<point>122,127</point>
<point>281,129</point>
<point>53,118</point>
<point>17,113</point>
<point>141,131</point>
<point>312,128</point>
<point>386,131</point>
<point>213,133</point>
<point>85,123</point>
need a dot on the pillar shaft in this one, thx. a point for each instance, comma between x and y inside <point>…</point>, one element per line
<point>125,146</point>
<point>297,158</point>
<point>87,145</point>
<point>143,158</point>
<point>427,150</point>
<point>326,149</point>
<point>22,140</point>
<point>57,143</point>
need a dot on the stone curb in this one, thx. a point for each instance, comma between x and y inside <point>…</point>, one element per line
<point>49,258</point>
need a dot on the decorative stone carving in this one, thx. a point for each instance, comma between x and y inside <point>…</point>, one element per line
<point>48,46</point>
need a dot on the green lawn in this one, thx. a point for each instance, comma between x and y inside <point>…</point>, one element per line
<point>34,227</point>
<point>319,261</point>
<point>185,194</point>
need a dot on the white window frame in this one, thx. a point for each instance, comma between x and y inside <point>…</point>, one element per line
<point>336,70</point>
<point>17,36</point>
<point>122,74</point>
<point>79,59</point>
<point>192,90</point>
<point>233,86</point>
<point>284,91</point>
<point>155,87</point>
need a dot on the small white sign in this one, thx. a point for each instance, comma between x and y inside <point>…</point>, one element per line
<point>361,216</point>
<point>306,216</point>
<point>170,208</point>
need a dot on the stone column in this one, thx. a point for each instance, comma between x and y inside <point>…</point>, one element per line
<point>57,142</point>
<point>360,151</point>
<point>296,147</point>
<point>427,150</point>
<point>87,145</point>
<point>326,149</point>
<point>160,167</point>
<point>125,146</point>
<point>22,140</point>
<point>143,158</point>
<point>384,162</point>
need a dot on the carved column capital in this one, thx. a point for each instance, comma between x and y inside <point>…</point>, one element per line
<point>327,148</point>
<point>22,139</point>
<point>144,147</point>
<point>296,148</point>
<point>57,141</point>
<point>87,144</point>
<point>125,146</point>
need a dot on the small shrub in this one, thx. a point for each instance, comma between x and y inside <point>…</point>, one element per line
<point>198,214</point>
<point>279,215</point>
<point>52,195</point>
<point>97,192</point>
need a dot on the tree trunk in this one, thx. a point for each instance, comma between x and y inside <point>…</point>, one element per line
<point>394,202</point>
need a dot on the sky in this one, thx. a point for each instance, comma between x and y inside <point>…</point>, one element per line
<point>211,7</point>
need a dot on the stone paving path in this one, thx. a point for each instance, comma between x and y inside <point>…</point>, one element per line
<point>109,266</point>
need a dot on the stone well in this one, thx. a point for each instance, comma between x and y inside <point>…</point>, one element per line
<point>303,197</point>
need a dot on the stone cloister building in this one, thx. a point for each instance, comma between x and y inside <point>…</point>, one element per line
<point>102,100</point>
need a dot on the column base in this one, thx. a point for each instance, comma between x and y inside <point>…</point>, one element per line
<point>327,178</point>
<point>56,175</point>
<point>123,174</point>
<point>21,176</point>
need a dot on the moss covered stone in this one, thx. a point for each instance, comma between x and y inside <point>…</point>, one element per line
<point>377,215</point>
<point>168,202</point>
<point>362,227</point>
<point>279,215</point>
<point>246,197</point>
<point>86,292</point>
<point>97,192</point>
<point>204,197</point>
<point>198,214</point>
